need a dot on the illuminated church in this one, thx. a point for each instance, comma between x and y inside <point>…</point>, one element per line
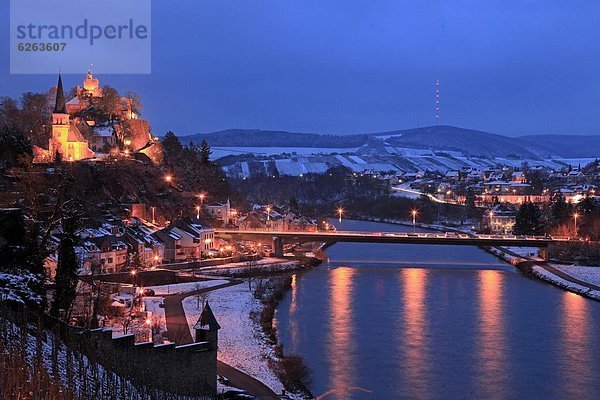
<point>66,138</point>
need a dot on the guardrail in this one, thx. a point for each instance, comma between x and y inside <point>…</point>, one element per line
<point>450,235</point>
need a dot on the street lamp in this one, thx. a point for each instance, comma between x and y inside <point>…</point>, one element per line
<point>197,212</point>
<point>133,272</point>
<point>575,216</point>
<point>268,213</point>
<point>168,178</point>
<point>491,224</point>
<point>414,213</point>
<point>201,196</point>
<point>340,211</point>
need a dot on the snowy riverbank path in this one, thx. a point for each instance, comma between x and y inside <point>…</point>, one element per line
<point>179,331</point>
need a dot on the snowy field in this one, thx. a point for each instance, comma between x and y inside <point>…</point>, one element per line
<point>152,304</point>
<point>218,152</point>
<point>581,272</point>
<point>526,252</point>
<point>241,343</point>
<point>177,288</point>
<point>365,158</point>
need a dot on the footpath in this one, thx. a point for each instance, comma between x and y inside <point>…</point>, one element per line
<point>179,330</point>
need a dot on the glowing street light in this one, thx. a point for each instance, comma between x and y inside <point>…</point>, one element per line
<point>575,216</point>
<point>340,212</point>
<point>168,178</point>
<point>197,212</point>
<point>268,213</point>
<point>133,272</point>
<point>202,196</point>
<point>414,213</point>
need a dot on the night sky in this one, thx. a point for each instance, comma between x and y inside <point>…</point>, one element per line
<point>510,67</point>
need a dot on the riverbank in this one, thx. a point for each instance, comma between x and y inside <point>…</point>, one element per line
<point>582,280</point>
<point>244,311</point>
<point>434,227</point>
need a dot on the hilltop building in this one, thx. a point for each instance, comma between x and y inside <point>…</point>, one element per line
<point>66,139</point>
<point>77,136</point>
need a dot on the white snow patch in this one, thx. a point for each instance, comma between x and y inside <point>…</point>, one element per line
<point>241,343</point>
<point>582,272</point>
<point>563,283</point>
<point>185,287</point>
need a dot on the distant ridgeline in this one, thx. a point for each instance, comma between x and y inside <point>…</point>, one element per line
<point>467,141</point>
<point>260,138</point>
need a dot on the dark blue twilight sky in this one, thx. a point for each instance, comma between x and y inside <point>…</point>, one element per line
<point>507,66</point>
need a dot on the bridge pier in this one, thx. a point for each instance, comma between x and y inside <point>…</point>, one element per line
<point>544,254</point>
<point>277,247</point>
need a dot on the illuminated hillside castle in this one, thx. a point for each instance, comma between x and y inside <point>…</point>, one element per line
<point>75,135</point>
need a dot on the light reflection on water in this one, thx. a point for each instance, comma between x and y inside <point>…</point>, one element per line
<point>412,332</point>
<point>576,336</point>
<point>472,329</point>
<point>340,332</point>
<point>294,321</point>
<point>491,343</point>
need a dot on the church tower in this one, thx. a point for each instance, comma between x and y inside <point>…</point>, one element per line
<point>207,328</point>
<point>60,121</point>
<point>66,138</point>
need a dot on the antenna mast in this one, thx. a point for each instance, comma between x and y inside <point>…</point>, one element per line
<point>437,102</point>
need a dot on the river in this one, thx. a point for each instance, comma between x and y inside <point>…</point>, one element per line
<point>379,321</point>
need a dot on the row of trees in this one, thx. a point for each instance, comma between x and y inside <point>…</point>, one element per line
<point>192,167</point>
<point>30,115</point>
<point>558,218</point>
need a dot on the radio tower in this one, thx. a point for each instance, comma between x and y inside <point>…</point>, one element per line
<point>437,102</point>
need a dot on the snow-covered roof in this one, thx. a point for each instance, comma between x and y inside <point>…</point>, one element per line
<point>104,131</point>
<point>74,101</point>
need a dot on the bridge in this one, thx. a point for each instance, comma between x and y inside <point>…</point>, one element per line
<point>279,238</point>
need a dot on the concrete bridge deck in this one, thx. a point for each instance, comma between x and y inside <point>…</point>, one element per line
<point>277,238</point>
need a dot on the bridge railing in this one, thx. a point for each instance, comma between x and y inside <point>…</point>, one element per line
<point>444,235</point>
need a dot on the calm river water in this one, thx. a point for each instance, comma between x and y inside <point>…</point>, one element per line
<point>437,322</point>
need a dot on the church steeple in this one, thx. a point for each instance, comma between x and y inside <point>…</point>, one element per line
<point>60,106</point>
